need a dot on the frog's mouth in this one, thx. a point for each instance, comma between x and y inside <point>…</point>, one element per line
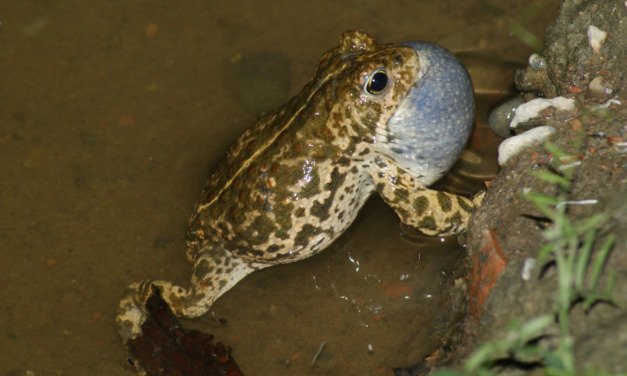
<point>429,130</point>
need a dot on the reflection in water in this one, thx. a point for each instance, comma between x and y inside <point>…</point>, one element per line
<point>113,113</point>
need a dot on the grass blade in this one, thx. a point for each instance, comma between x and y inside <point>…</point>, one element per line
<point>583,259</point>
<point>599,260</point>
<point>553,178</point>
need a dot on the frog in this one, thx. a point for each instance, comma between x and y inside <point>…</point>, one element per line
<point>390,119</point>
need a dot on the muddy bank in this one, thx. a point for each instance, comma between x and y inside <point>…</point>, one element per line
<point>584,59</point>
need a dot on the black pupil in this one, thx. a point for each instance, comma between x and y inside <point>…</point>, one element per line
<point>377,82</point>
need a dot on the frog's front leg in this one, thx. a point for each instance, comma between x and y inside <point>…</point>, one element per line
<point>432,212</point>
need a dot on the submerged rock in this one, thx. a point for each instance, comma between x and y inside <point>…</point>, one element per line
<point>165,348</point>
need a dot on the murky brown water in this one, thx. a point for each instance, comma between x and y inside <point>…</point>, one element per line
<point>111,116</point>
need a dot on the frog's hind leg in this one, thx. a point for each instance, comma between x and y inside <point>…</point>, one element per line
<point>215,272</point>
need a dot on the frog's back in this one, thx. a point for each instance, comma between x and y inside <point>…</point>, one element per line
<point>257,200</point>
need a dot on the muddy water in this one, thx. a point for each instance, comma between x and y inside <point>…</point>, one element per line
<point>111,116</point>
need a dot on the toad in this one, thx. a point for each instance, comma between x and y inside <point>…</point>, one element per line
<point>384,118</point>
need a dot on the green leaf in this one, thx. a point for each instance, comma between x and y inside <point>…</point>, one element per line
<point>609,287</point>
<point>525,36</point>
<point>591,223</point>
<point>483,356</point>
<point>544,253</point>
<point>558,153</point>
<point>533,328</point>
<point>553,178</point>
<point>599,260</point>
<point>547,211</point>
<point>447,372</point>
<point>539,198</point>
<point>553,361</point>
<point>583,259</point>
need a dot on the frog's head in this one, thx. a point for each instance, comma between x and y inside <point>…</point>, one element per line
<point>416,100</point>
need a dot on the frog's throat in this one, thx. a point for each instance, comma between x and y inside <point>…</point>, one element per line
<point>430,129</point>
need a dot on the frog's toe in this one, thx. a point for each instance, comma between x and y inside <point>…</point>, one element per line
<point>132,310</point>
<point>477,199</point>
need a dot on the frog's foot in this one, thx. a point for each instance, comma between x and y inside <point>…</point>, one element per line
<point>132,309</point>
<point>215,272</point>
<point>477,199</point>
<point>165,347</point>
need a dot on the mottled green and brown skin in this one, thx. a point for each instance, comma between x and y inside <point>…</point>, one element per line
<point>295,181</point>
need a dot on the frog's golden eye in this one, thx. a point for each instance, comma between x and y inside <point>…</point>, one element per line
<point>377,82</point>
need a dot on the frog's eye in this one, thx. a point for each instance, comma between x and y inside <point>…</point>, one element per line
<point>377,82</point>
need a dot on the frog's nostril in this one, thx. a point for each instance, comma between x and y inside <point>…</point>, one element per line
<point>398,60</point>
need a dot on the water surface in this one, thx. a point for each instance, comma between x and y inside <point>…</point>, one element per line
<point>112,115</point>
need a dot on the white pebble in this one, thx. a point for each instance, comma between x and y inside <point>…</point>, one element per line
<point>527,268</point>
<point>597,86</point>
<point>596,37</point>
<point>537,62</point>
<point>609,103</point>
<point>531,109</point>
<point>513,145</point>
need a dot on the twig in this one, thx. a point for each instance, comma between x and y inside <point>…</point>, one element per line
<point>313,361</point>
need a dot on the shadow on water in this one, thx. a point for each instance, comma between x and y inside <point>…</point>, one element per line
<point>111,117</point>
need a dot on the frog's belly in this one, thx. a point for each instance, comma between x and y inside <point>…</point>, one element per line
<point>343,214</point>
<point>311,233</point>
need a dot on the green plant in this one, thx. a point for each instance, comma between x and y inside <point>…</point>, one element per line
<point>570,244</point>
<point>528,13</point>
